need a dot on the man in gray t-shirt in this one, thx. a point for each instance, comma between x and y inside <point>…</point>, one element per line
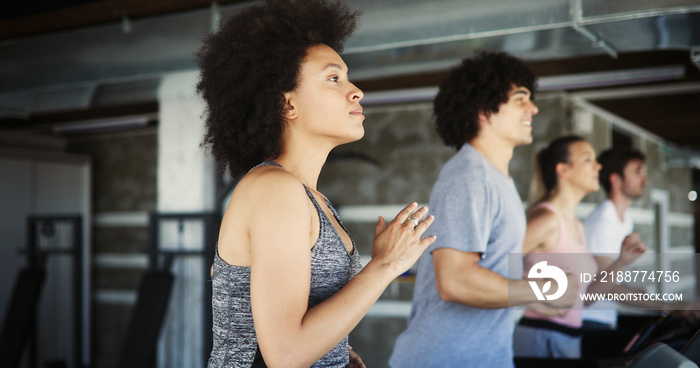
<point>459,316</point>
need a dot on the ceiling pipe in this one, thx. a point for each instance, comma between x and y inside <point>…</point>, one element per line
<point>126,24</point>
<point>549,83</point>
<point>156,46</point>
<point>576,12</point>
<point>13,113</point>
<point>215,16</point>
<point>105,124</point>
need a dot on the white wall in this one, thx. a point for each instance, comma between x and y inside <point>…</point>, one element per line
<point>186,183</point>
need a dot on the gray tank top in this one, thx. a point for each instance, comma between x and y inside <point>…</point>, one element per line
<point>234,340</point>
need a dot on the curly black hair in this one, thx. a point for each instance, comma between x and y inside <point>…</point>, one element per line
<point>479,84</point>
<point>248,65</point>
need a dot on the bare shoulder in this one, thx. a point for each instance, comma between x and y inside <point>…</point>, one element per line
<point>542,217</point>
<point>269,186</point>
<point>264,195</point>
<point>257,201</point>
<point>542,230</point>
<point>268,207</point>
<point>267,177</point>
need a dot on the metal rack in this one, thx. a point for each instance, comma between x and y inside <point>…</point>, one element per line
<point>42,229</point>
<point>162,256</point>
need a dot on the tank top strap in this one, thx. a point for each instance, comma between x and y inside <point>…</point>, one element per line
<point>550,207</point>
<point>265,163</point>
<point>553,209</point>
<point>564,232</point>
<point>335,214</point>
<point>313,199</point>
<point>325,222</point>
<point>308,191</point>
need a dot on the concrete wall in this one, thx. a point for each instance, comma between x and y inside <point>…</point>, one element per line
<point>124,191</point>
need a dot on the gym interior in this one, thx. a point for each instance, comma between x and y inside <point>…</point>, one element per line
<point>110,208</point>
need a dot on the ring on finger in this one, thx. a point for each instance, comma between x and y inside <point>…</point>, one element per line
<point>414,220</point>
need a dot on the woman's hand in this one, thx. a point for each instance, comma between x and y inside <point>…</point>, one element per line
<point>398,244</point>
<point>355,361</point>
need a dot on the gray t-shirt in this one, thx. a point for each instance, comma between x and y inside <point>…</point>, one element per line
<point>477,209</point>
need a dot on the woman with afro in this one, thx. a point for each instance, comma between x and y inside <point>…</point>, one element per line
<point>287,284</point>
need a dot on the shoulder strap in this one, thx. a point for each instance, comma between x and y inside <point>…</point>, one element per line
<point>549,206</point>
<point>265,163</point>
<point>314,201</point>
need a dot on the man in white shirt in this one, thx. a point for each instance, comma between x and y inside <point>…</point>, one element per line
<point>623,177</point>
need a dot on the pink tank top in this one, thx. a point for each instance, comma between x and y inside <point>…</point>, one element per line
<point>570,255</point>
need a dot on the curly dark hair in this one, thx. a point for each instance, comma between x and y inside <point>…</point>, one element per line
<point>479,84</point>
<point>248,65</point>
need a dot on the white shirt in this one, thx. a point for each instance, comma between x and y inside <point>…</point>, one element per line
<point>605,233</point>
